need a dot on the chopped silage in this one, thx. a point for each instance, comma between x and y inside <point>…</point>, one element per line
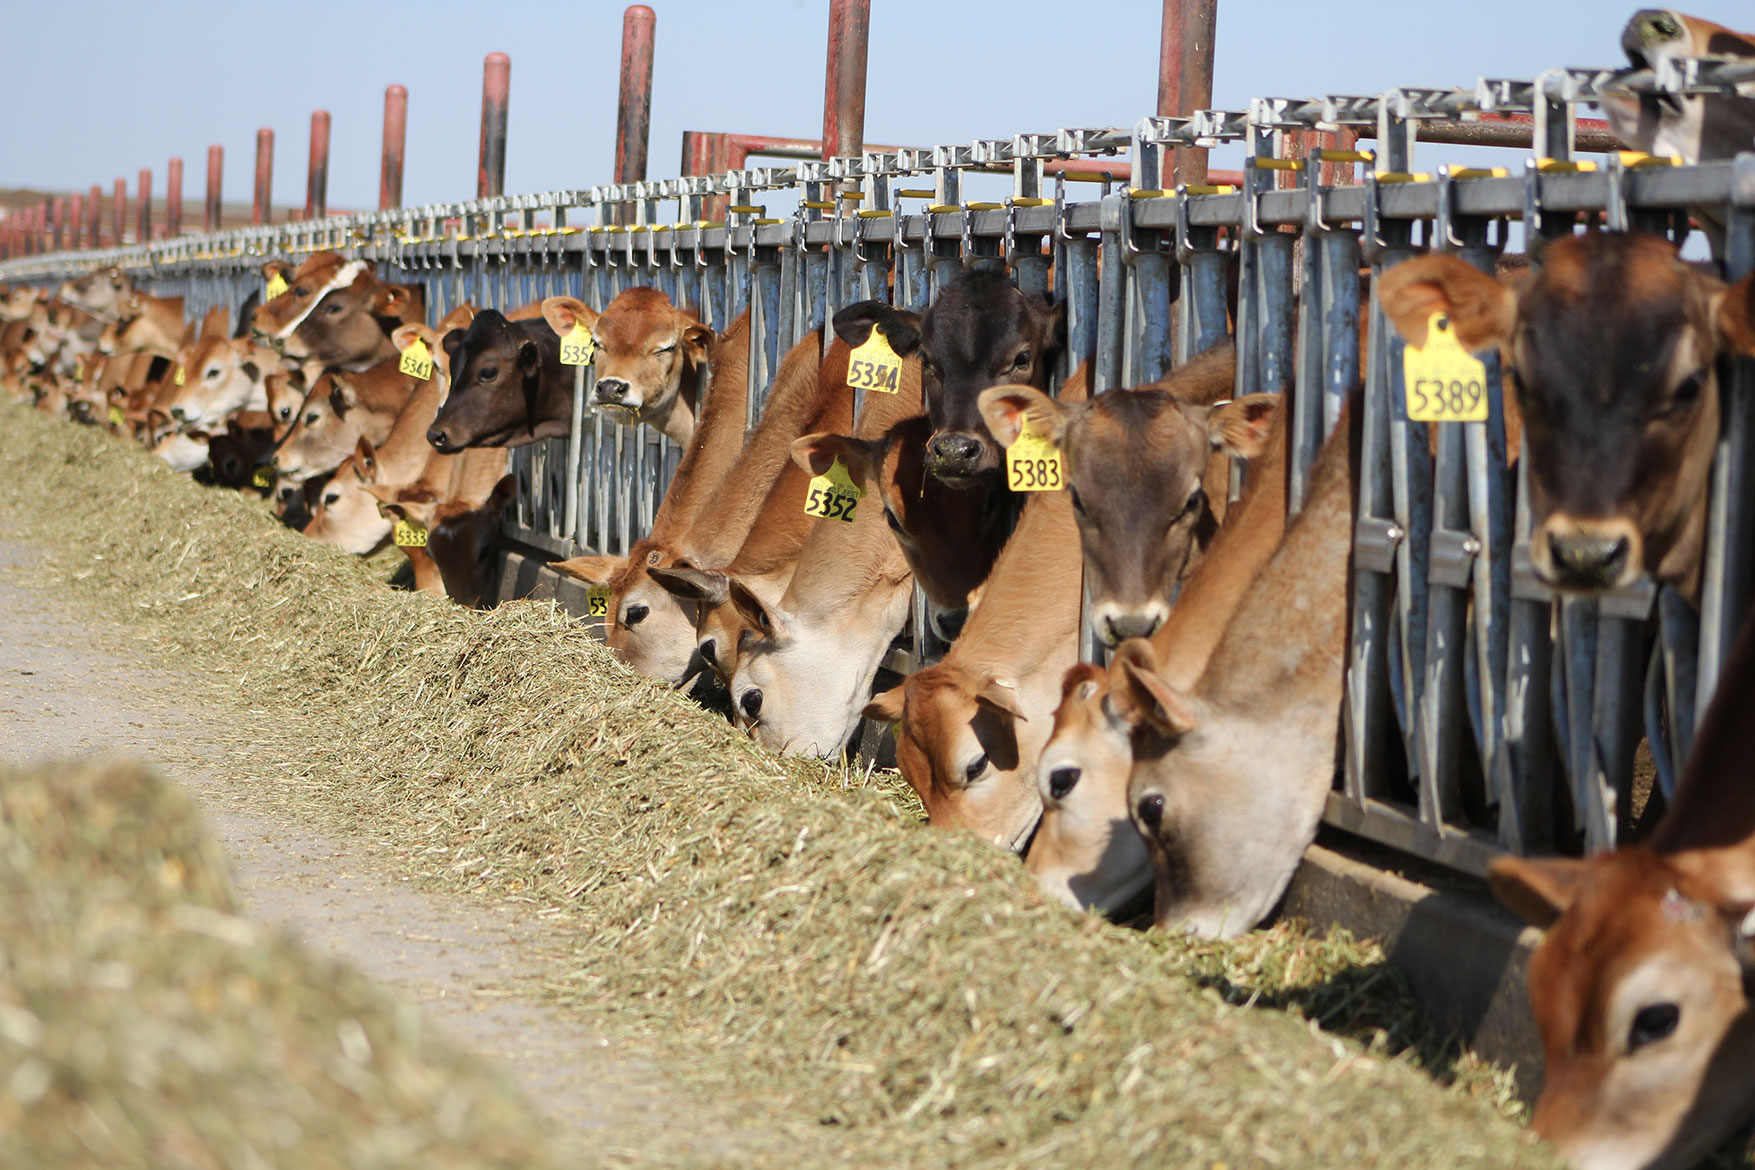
<point>826,970</point>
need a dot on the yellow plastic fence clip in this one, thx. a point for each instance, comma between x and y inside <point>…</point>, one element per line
<point>1026,201</point>
<point>1634,160</point>
<point>1210,189</point>
<point>707,225</point>
<point>869,213</point>
<point>851,196</point>
<point>818,204</point>
<point>762,222</point>
<point>915,193</point>
<point>745,209</point>
<point>942,208</point>
<point>1087,176</point>
<point>1346,156</point>
<point>1565,166</point>
<point>567,231</point>
<point>1479,173</point>
<point>1403,177</point>
<point>1148,193</point>
<point>1276,164</point>
<point>982,206</point>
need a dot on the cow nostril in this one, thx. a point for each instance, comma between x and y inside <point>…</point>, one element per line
<point>1061,781</point>
<point>751,704</point>
<point>1151,811</point>
<point>709,652</point>
<point>957,447</point>
<point>439,439</point>
<point>1596,557</point>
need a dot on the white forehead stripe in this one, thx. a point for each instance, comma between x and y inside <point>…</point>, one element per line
<point>345,277</point>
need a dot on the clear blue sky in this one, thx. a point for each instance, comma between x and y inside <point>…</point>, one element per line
<point>104,87</point>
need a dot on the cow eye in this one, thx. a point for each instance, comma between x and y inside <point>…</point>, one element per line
<point>212,373</point>
<point>311,419</point>
<point>1654,1022</point>
<point>665,348</point>
<point>1195,499</point>
<point>895,524</point>
<point>333,309</point>
<point>301,291</point>
<point>487,374</point>
<point>1687,394</point>
<point>976,766</point>
<point>286,412</point>
<point>1022,361</point>
<point>635,614</point>
<point>329,498</point>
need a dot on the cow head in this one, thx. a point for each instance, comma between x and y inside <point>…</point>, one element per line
<point>100,292</point>
<point>1612,347</point>
<point>957,743</point>
<point>337,312</point>
<point>980,332</point>
<point>324,431</point>
<point>645,346</point>
<point>1640,990</point>
<point>285,391</point>
<point>221,376</point>
<point>649,627</point>
<point>462,538</point>
<point>507,386</point>
<point>347,515</point>
<point>719,625</point>
<point>1696,126</point>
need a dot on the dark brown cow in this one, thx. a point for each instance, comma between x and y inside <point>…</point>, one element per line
<point>508,387</point>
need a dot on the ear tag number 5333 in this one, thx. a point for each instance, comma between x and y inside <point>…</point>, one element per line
<point>409,534</point>
<point>597,601</point>
<point>416,361</point>
<point>578,347</point>
<point>833,495</point>
<point>1033,463</point>
<point>1443,381</point>
<point>874,365</point>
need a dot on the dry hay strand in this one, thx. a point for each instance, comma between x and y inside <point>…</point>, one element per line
<point>827,972</point>
<point>145,1023</point>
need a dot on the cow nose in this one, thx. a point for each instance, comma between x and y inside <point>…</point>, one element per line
<point>956,448</point>
<point>611,389</point>
<point>439,439</point>
<point>751,704</point>
<point>1151,811</point>
<point>709,653</point>
<point>1588,557</point>
<point>177,413</point>
<point>948,623</point>
<point>1122,626</point>
<point>1061,781</point>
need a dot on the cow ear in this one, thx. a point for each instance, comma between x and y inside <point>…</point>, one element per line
<point>405,302</point>
<point>217,324</point>
<point>1536,889</point>
<point>702,585</point>
<point>886,706</point>
<point>340,397</point>
<point>1241,427</point>
<point>406,335</point>
<point>529,357</point>
<point>697,341</point>
<point>452,343</point>
<point>1734,313</point>
<point>901,328</point>
<point>1482,311</point>
<point>280,268</point>
<point>591,570</point>
<point>1055,335</point>
<point>458,318</point>
<point>817,453</point>
<point>1141,698</point>
<point>365,458</point>
<point>562,313</point>
<point>1005,409</point>
<point>753,610</point>
<point>503,494</point>
<point>1001,697</point>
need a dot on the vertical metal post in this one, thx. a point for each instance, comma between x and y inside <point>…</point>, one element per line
<point>96,200</point>
<point>210,210</point>
<point>76,220</point>
<point>317,171</point>
<point>58,221</point>
<point>496,85</point>
<point>143,215</point>
<point>844,78</point>
<point>395,142</point>
<point>119,210</point>
<point>633,114</point>
<point>264,176</point>
<point>1185,75</point>
<point>174,198</point>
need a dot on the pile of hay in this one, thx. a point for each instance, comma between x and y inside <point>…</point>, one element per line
<point>144,1023</point>
<point>831,979</point>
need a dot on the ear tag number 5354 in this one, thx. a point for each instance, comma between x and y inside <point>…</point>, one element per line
<point>1033,463</point>
<point>578,347</point>
<point>1443,381</point>
<point>874,365</point>
<point>416,361</point>
<point>833,495</point>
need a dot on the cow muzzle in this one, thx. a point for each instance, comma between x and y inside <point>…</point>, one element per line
<point>1586,556</point>
<point>1116,625</point>
<point>615,393</point>
<point>440,441</point>
<point>955,457</point>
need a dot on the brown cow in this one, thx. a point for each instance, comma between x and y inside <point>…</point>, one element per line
<point>1613,348</point>
<point>648,352</point>
<point>1641,985</point>
<point>508,387</point>
<point>340,408</point>
<point>337,312</point>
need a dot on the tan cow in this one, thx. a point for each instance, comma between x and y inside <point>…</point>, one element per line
<point>341,407</point>
<point>1641,985</point>
<point>337,312</point>
<point>462,525</point>
<point>648,352</point>
<point>222,375</point>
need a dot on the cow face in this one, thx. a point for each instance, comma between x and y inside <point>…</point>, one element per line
<point>980,332</point>
<point>100,293</point>
<point>645,345</point>
<point>323,433</point>
<point>347,515</point>
<point>1086,851</point>
<point>1612,348</point>
<point>957,743</point>
<point>498,396</point>
<point>285,391</point>
<point>1639,987</point>
<point>719,625</point>
<point>1696,126</point>
<point>650,627</point>
<point>221,376</point>
<point>336,312</point>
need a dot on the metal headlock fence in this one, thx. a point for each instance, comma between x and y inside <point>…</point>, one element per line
<point>1482,713</point>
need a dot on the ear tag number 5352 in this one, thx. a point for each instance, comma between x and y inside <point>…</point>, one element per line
<point>874,365</point>
<point>416,361</point>
<point>833,495</point>
<point>1033,463</point>
<point>578,347</point>
<point>1443,381</point>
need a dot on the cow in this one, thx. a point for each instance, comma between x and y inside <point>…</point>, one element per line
<point>1230,777</point>
<point>462,527</point>
<point>1613,347</point>
<point>1086,852</point>
<point>649,353</point>
<point>222,375</point>
<point>101,292</point>
<point>341,407</point>
<point>336,312</point>
<point>508,386</point>
<point>1641,984</point>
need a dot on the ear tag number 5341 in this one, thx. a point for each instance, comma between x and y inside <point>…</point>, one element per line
<point>833,495</point>
<point>1443,381</point>
<point>1033,463</point>
<point>874,365</point>
<point>416,361</point>
<point>578,347</point>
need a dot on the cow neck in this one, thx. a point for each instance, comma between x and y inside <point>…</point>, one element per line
<point>715,443</point>
<point>475,473</point>
<point>676,421</point>
<point>403,456</point>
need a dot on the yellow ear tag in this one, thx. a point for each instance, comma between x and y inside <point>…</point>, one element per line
<point>416,361</point>
<point>874,365</point>
<point>1033,463</point>
<point>1443,381</point>
<point>833,495</point>
<point>117,418</point>
<point>179,375</point>
<point>597,601</point>
<point>409,534</point>
<point>578,347</point>
<point>263,477</point>
<point>276,286</point>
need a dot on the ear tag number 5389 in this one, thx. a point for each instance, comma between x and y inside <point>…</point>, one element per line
<point>874,365</point>
<point>578,347</point>
<point>1033,463</point>
<point>833,495</point>
<point>416,361</point>
<point>1443,381</point>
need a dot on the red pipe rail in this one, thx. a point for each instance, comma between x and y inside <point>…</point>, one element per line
<point>261,206</point>
<point>844,78</point>
<point>96,199</point>
<point>395,145</point>
<point>210,210</point>
<point>633,110</point>
<point>60,220</point>
<point>317,170</point>
<point>119,210</point>
<point>174,197</point>
<point>143,215</point>
<point>496,85</point>
<point>76,220</point>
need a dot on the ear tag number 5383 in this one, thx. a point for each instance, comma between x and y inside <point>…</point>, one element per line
<point>874,365</point>
<point>1443,381</point>
<point>578,347</point>
<point>833,495</point>
<point>1033,463</point>
<point>416,361</point>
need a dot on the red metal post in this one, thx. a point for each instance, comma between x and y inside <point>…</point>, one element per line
<point>317,173</point>
<point>395,142</point>
<point>143,231</point>
<point>633,115</point>
<point>174,197</point>
<point>119,210</point>
<point>1185,75</point>
<point>496,86</point>
<point>844,79</point>
<point>96,198</point>
<point>264,176</point>
<point>46,225</point>
<point>210,210</point>
<point>58,224</point>
<point>76,221</point>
